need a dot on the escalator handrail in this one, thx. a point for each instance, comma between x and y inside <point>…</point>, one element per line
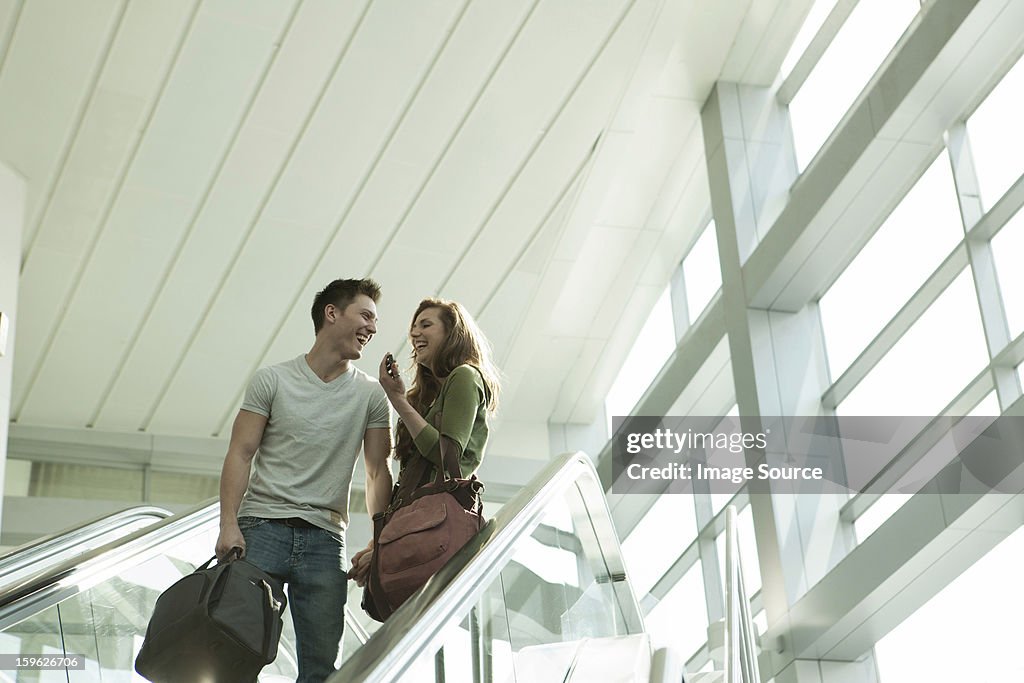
<point>416,626</point>
<point>39,549</point>
<point>55,583</point>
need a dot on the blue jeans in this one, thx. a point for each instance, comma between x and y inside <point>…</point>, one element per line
<point>312,563</point>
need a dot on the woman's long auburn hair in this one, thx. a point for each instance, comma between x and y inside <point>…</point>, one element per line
<point>465,344</point>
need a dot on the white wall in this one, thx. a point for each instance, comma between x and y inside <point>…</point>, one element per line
<point>12,211</point>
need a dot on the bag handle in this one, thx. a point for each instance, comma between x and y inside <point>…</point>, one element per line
<point>234,554</point>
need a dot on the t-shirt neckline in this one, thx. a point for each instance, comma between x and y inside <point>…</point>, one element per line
<point>315,378</point>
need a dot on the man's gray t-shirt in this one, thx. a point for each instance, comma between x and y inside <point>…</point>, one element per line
<point>314,433</point>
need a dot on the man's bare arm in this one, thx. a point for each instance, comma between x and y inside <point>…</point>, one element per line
<point>246,435</point>
<point>376,449</point>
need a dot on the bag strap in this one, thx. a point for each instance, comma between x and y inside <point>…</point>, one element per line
<point>412,475</point>
<point>373,589</point>
<point>451,454</point>
<point>271,609</point>
<point>449,464</point>
<point>409,480</point>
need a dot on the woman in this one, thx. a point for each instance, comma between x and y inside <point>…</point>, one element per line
<point>454,391</point>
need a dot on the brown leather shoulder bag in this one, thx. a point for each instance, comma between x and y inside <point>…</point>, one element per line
<point>420,531</point>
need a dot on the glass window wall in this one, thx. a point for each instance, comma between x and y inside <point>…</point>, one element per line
<point>654,344</point>
<point>935,359</point>
<point>1007,247</point>
<point>680,620</point>
<point>974,623</point>
<point>667,529</point>
<point>702,274</point>
<point>997,138</point>
<point>901,255</point>
<point>815,18</point>
<point>866,38</point>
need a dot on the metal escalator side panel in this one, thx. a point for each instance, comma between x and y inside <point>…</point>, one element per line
<point>76,540</point>
<point>50,584</point>
<point>478,574</point>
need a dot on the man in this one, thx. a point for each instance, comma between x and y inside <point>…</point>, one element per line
<point>307,418</point>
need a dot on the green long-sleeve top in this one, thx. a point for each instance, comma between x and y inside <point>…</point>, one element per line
<point>462,404</point>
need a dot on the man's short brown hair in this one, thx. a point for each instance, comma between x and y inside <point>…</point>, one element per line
<point>341,293</point>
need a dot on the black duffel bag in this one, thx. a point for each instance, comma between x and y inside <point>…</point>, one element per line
<point>219,624</point>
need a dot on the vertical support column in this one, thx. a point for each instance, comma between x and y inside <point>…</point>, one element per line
<point>733,206</point>
<point>778,357</point>
<point>982,262</point>
<point>12,216</point>
<point>680,309</point>
<point>476,643</point>
<point>711,569</point>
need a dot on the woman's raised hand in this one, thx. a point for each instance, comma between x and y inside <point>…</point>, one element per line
<point>391,377</point>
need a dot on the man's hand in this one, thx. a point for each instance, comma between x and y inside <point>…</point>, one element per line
<point>360,570</point>
<point>230,538</point>
<point>246,434</point>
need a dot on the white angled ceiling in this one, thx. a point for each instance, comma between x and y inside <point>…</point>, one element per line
<point>197,170</point>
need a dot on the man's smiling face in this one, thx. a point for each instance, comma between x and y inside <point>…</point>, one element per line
<point>353,328</point>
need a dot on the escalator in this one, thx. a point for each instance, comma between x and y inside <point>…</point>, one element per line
<point>540,594</point>
<point>49,550</point>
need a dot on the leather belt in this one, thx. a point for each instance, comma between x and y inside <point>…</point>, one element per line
<point>297,522</point>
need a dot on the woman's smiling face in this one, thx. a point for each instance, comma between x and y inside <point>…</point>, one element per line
<point>427,335</point>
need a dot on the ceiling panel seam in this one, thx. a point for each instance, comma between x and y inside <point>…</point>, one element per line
<point>671,215</point>
<point>528,157</point>
<point>9,36</point>
<point>448,144</point>
<point>360,188</point>
<point>104,218</point>
<point>261,359</point>
<point>172,263</point>
<point>572,182</point>
<point>216,291</point>
<point>666,187</point>
<point>591,154</point>
<point>549,124</point>
<point>72,140</point>
<point>767,38</point>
